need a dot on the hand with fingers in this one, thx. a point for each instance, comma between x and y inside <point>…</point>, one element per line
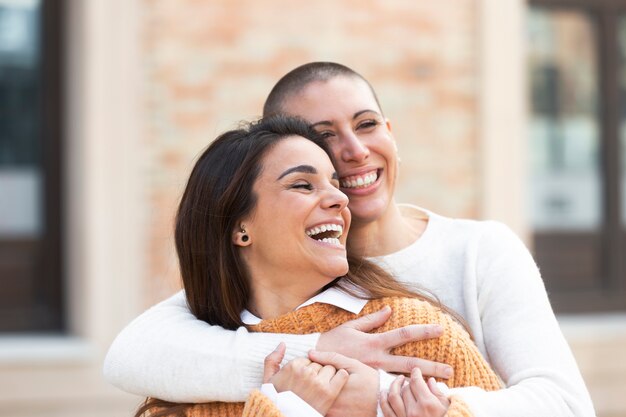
<point>359,396</point>
<point>414,398</point>
<point>318,385</point>
<point>353,340</point>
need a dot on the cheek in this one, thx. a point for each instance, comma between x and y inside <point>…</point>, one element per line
<point>386,149</point>
<point>289,214</point>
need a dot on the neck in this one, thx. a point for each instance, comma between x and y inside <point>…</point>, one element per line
<point>268,301</point>
<point>387,234</point>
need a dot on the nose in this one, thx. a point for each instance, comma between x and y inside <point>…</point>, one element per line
<point>335,199</point>
<point>352,149</point>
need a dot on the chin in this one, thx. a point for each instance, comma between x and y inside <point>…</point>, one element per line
<point>337,270</point>
<point>368,212</point>
<point>343,271</point>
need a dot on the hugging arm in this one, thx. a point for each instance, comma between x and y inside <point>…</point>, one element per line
<point>299,389</point>
<point>522,337</point>
<point>167,353</point>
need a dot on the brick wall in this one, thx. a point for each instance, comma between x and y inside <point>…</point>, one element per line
<point>209,64</point>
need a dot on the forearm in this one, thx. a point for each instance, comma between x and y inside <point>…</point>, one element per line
<point>167,353</point>
<point>523,399</point>
<point>525,345</point>
<point>539,372</point>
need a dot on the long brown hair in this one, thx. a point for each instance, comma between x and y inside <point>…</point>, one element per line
<point>218,195</point>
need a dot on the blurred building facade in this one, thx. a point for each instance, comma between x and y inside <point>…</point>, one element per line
<point>504,110</point>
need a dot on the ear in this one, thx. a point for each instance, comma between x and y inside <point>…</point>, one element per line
<point>241,237</point>
<point>388,124</point>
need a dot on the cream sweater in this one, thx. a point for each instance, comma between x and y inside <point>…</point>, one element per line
<point>479,269</point>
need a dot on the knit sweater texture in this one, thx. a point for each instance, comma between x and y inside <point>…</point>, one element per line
<point>257,405</point>
<point>479,269</point>
<point>454,347</point>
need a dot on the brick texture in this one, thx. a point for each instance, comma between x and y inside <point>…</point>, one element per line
<point>209,64</point>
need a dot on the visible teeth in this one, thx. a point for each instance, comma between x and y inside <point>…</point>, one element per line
<point>326,228</point>
<point>359,182</point>
<point>331,240</point>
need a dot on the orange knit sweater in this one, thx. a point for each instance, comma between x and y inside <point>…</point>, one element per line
<point>454,348</point>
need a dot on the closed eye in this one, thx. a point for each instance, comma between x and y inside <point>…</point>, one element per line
<point>368,124</point>
<point>303,186</point>
<point>326,134</point>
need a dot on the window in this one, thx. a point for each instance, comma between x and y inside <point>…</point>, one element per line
<point>576,61</point>
<point>30,175</point>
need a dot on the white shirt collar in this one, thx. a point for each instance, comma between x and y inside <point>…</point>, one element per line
<point>333,296</point>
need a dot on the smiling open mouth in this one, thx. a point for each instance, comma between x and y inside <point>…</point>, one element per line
<point>327,233</point>
<point>359,181</point>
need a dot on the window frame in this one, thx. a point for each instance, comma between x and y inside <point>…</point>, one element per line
<point>609,292</point>
<point>44,309</point>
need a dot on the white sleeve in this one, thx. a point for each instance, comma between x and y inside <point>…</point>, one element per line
<point>168,353</point>
<point>385,380</point>
<point>524,343</point>
<point>289,404</point>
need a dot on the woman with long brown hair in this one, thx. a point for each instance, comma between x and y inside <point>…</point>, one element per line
<point>261,239</point>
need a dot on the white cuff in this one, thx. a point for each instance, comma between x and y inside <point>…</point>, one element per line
<point>384,383</point>
<point>385,380</point>
<point>289,403</point>
<point>259,345</point>
<point>445,390</point>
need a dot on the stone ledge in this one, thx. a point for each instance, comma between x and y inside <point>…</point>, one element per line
<point>37,349</point>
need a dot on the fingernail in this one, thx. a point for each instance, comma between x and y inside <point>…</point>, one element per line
<point>449,372</point>
<point>416,373</point>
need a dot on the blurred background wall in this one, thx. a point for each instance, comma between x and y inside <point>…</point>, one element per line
<point>502,109</point>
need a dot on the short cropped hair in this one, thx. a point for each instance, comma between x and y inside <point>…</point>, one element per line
<point>297,79</point>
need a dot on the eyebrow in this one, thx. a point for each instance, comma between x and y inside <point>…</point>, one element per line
<point>357,114</point>
<point>306,169</point>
